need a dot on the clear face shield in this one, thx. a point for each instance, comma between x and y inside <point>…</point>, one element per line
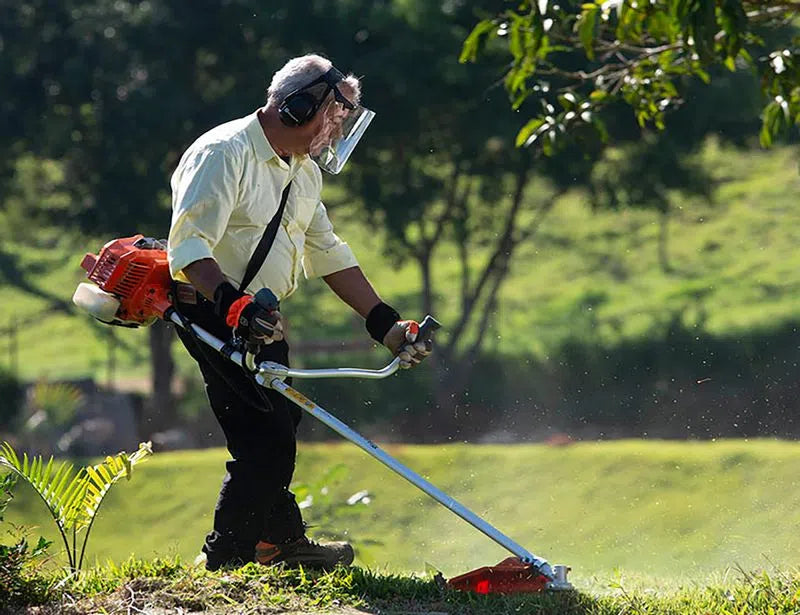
<point>341,130</point>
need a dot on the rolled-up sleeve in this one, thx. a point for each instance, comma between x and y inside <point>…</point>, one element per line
<point>203,196</point>
<point>324,252</point>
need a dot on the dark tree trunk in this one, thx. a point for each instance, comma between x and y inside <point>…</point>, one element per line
<point>663,242</point>
<point>161,412</point>
<point>427,283</point>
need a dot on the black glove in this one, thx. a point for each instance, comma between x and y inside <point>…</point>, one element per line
<point>254,320</point>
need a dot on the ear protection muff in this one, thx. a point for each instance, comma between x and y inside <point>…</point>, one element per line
<point>301,105</point>
<point>298,108</point>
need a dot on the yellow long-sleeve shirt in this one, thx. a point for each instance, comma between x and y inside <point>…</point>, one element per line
<point>227,188</point>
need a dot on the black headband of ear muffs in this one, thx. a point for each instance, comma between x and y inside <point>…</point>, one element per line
<point>301,105</point>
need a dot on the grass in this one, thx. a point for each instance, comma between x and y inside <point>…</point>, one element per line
<point>593,276</point>
<point>664,513</point>
<point>142,586</point>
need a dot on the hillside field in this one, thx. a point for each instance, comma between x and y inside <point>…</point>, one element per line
<point>587,275</point>
<point>655,511</point>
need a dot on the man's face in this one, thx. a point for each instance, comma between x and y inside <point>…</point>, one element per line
<point>331,118</point>
<point>324,128</point>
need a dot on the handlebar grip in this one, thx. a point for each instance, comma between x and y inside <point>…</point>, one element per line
<point>426,328</point>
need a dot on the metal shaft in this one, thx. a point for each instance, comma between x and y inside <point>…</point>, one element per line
<point>211,340</point>
<point>415,479</point>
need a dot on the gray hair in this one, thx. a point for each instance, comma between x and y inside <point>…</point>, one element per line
<point>301,71</point>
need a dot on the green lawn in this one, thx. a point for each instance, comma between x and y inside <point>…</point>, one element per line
<point>638,512</point>
<point>173,586</point>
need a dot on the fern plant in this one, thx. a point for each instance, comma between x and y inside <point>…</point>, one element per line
<point>73,498</point>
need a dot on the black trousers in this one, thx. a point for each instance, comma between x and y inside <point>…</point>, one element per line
<point>254,502</point>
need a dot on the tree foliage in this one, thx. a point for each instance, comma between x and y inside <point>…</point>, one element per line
<point>102,96</point>
<point>577,60</point>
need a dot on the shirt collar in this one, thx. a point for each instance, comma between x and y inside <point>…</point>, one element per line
<point>261,144</point>
<point>263,147</point>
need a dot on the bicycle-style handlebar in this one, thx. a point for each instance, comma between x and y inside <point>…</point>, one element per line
<point>266,370</point>
<point>426,328</point>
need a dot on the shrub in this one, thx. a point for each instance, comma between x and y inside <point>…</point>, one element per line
<point>17,584</point>
<point>73,500</point>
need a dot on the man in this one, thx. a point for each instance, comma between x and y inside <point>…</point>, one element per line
<point>229,186</point>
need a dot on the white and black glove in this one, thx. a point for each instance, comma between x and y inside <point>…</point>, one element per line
<point>399,336</point>
<point>254,320</point>
<point>402,341</point>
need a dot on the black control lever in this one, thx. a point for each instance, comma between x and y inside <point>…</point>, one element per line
<point>426,328</point>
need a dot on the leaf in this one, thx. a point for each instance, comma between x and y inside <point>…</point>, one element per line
<point>680,10</point>
<point>469,51</point>
<point>704,76</point>
<point>600,127</point>
<point>733,19</point>
<point>128,466</point>
<point>517,77</point>
<point>568,100</point>
<point>36,468</point>
<point>730,63</point>
<point>745,55</point>
<point>515,39</point>
<point>528,130</point>
<point>703,28</point>
<point>586,24</point>
<point>46,485</point>
<point>519,98</point>
<point>764,136</point>
<point>41,546</point>
<point>660,26</point>
<point>61,480</point>
<point>768,124</point>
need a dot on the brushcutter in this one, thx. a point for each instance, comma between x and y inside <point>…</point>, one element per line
<point>131,286</point>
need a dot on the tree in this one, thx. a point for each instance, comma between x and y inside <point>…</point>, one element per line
<point>119,111</point>
<point>114,91</point>
<point>639,54</point>
<point>93,85</point>
<point>437,170</point>
<point>446,173</point>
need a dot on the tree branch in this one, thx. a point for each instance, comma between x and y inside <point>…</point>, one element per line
<point>502,250</point>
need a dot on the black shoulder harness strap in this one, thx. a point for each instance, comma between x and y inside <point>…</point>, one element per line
<point>265,243</point>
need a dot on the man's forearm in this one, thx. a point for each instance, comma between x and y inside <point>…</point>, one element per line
<point>353,287</point>
<point>205,275</point>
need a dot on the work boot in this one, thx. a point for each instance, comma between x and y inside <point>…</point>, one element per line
<point>305,552</point>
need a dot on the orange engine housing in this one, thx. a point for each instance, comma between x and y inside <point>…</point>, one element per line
<point>136,271</point>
